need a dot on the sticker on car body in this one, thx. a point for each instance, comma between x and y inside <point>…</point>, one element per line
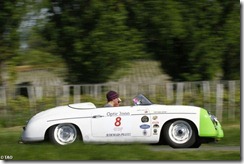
<point>144,119</point>
<point>144,126</point>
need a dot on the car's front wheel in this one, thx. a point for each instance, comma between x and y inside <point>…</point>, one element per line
<point>63,134</point>
<point>179,134</point>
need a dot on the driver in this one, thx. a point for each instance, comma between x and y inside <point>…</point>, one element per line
<point>113,99</point>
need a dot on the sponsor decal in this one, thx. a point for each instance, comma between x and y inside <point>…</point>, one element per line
<point>144,126</point>
<point>143,110</point>
<point>159,112</point>
<point>111,114</point>
<point>155,126</point>
<point>117,134</point>
<point>144,119</point>
<point>155,122</point>
<point>118,129</point>
<point>155,131</point>
<point>124,113</point>
<point>155,117</point>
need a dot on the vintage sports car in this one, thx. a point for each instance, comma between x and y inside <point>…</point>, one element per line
<point>178,126</point>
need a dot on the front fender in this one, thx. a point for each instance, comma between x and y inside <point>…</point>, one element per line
<point>34,131</point>
<point>209,127</point>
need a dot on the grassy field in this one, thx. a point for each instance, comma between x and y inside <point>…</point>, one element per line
<point>45,151</point>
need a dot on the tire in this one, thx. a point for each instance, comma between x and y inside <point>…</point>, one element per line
<point>197,144</point>
<point>179,134</point>
<point>63,134</point>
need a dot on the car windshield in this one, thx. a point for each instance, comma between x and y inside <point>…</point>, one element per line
<point>141,100</point>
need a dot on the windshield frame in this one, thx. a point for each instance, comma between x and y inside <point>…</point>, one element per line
<point>141,99</point>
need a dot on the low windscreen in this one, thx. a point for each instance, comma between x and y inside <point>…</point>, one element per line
<point>141,100</point>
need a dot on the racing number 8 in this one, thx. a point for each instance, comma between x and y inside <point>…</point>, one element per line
<point>117,121</point>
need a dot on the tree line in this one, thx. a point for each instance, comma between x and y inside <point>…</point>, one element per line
<point>193,40</point>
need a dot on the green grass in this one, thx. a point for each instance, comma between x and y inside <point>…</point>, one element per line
<point>113,152</point>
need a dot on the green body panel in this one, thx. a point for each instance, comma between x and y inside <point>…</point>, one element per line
<point>208,128</point>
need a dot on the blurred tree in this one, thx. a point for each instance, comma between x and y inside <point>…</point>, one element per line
<point>39,54</point>
<point>34,50</point>
<point>190,38</point>
<point>93,38</point>
<point>10,16</point>
<point>193,40</point>
<point>231,40</point>
<point>203,33</point>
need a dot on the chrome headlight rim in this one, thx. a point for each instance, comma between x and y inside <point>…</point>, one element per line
<point>214,120</point>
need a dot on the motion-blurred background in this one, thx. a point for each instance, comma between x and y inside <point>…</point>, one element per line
<point>55,52</point>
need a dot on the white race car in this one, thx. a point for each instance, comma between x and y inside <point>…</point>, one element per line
<point>178,126</point>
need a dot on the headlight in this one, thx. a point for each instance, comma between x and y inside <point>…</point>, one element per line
<point>214,120</point>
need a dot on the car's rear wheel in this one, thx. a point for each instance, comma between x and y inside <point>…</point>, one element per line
<point>179,134</point>
<point>63,134</point>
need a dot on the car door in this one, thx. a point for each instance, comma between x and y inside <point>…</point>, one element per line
<point>111,123</point>
<point>118,123</point>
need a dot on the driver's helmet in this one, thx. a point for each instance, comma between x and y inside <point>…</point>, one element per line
<point>136,101</point>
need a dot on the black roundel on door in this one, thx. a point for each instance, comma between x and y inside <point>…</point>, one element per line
<point>144,119</point>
